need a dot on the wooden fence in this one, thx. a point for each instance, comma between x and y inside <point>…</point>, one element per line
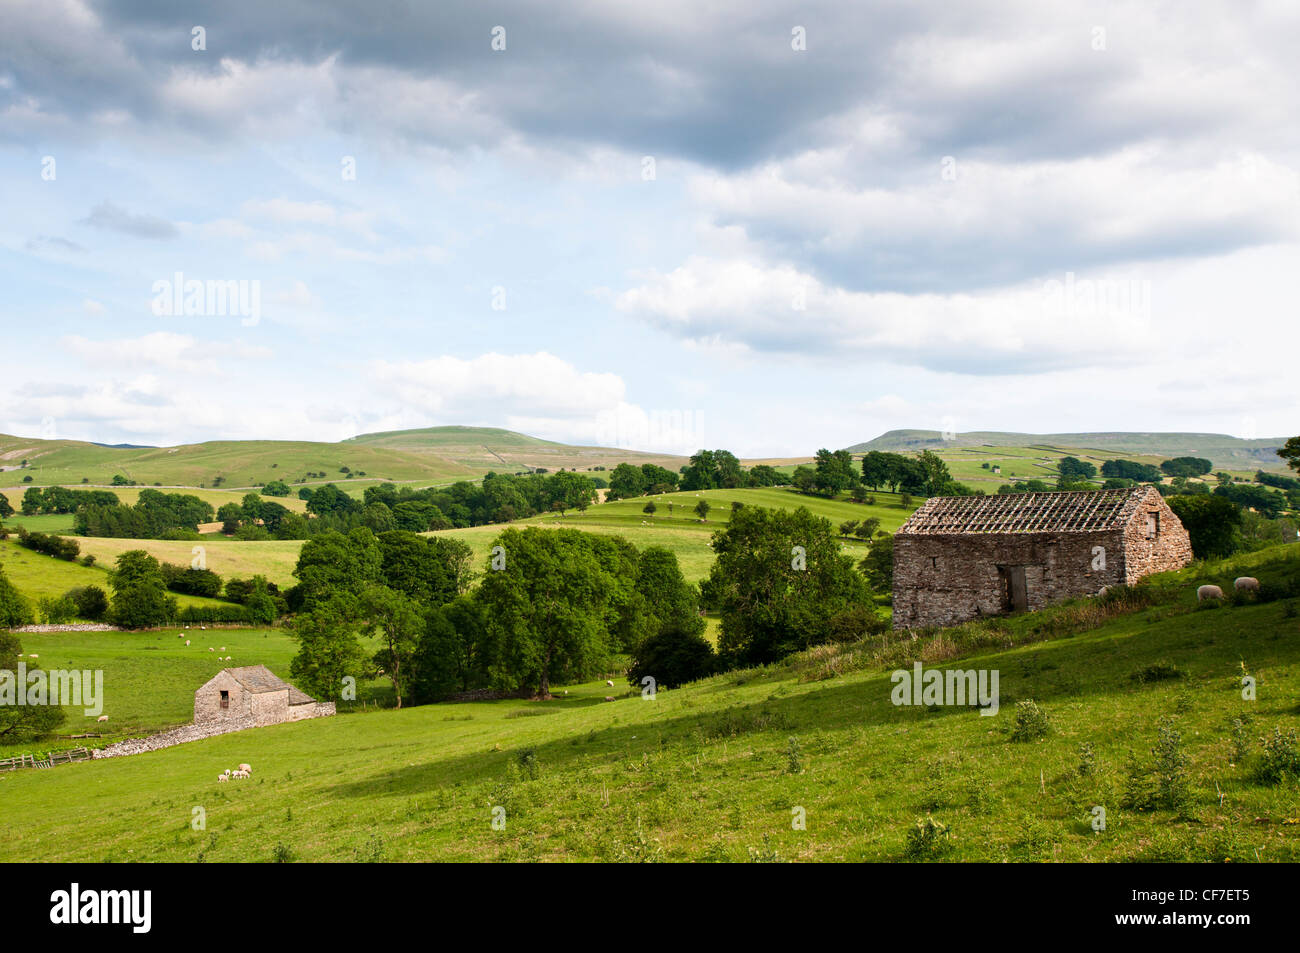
<point>50,760</point>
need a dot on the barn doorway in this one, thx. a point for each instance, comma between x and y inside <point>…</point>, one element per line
<point>1015,594</point>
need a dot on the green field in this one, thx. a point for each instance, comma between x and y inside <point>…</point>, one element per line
<point>36,575</point>
<point>715,770</point>
<point>228,558</point>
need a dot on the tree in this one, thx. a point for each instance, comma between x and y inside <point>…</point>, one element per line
<point>1074,470</point>
<point>701,473</point>
<point>876,468</point>
<point>669,600</point>
<point>328,648</point>
<point>91,602</point>
<point>878,565</point>
<point>15,610</point>
<point>547,607</point>
<point>867,528</point>
<point>5,509</point>
<point>626,481</point>
<point>673,656</point>
<point>230,515</point>
<point>778,580</point>
<point>457,651</point>
<point>1187,466</point>
<point>649,508</point>
<point>395,619</point>
<point>140,596</point>
<point>702,510</point>
<point>276,488</point>
<point>1290,452</point>
<point>1213,524</point>
<point>834,472</point>
<point>418,567</point>
<point>332,563</point>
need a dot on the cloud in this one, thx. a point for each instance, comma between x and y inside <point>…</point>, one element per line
<point>109,216</point>
<point>162,351</point>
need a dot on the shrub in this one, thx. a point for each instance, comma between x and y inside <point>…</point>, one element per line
<point>1164,782</point>
<point>56,611</point>
<point>15,610</point>
<point>793,755</point>
<point>91,602</point>
<point>201,614</point>
<point>927,838</point>
<point>56,546</point>
<point>672,657</point>
<point>88,560</point>
<point>1281,757</point>
<point>1239,733</point>
<point>1162,671</point>
<point>1087,760</point>
<point>1031,722</point>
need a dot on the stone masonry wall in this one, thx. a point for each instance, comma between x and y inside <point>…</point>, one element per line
<point>176,736</point>
<point>1171,548</point>
<point>948,579</point>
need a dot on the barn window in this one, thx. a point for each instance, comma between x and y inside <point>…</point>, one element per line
<point>1153,525</point>
<point>225,699</point>
<point>934,562</point>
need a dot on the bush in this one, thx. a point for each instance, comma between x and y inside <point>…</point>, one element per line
<point>91,602</point>
<point>672,657</point>
<point>193,615</point>
<point>1281,757</point>
<point>1163,783</point>
<point>56,546</point>
<point>1031,722</point>
<point>15,610</point>
<point>928,838</point>
<point>1162,671</point>
<point>56,611</point>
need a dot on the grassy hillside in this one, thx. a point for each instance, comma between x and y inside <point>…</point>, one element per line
<point>490,448</point>
<point>1227,452</point>
<point>713,771</point>
<point>241,463</point>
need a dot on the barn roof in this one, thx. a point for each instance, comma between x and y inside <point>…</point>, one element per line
<point>1068,512</point>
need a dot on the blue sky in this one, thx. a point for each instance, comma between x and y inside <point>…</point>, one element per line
<point>1011,216</point>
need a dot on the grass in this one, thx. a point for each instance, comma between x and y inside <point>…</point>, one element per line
<point>705,772</point>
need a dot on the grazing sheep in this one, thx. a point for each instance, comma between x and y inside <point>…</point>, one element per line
<point>1208,592</point>
<point>210,649</point>
<point>246,768</point>
<point>609,698</point>
<point>1103,590</point>
<point>223,648</point>
<point>609,683</point>
<point>222,777</point>
<point>1246,584</point>
<point>187,641</point>
<point>33,655</point>
<point>102,718</point>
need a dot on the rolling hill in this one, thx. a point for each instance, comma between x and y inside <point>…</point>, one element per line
<point>1227,452</point>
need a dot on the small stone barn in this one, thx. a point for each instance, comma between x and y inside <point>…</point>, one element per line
<point>962,557</point>
<point>253,694</point>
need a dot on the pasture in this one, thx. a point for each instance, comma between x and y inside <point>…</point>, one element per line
<point>719,769</point>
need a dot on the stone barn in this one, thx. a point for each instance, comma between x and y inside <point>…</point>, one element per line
<point>252,695</point>
<point>962,557</point>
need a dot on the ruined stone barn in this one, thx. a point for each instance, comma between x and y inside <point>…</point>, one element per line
<point>962,557</point>
<point>254,695</point>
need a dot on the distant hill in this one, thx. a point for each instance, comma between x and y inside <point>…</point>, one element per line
<point>1227,452</point>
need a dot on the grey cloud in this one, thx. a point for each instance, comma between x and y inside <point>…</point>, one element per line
<point>109,216</point>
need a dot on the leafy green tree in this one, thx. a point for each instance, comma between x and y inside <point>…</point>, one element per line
<point>395,620</point>
<point>650,508</point>
<point>5,509</point>
<point>1213,524</point>
<point>672,657</point>
<point>329,649</point>
<point>331,563</point>
<point>1074,470</point>
<point>1187,466</point>
<point>669,598</point>
<point>658,479</point>
<point>230,514</point>
<point>140,596</point>
<point>1290,452</point>
<point>626,481</point>
<point>276,488</point>
<point>834,472</point>
<point>867,528</point>
<point>547,607</point>
<point>876,469</point>
<point>778,580</point>
<point>878,565</point>
<point>702,510</point>
<point>765,475</point>
<point>457,652</point>
<point>701,473</point>
<point>15,610</point>
<point>91,602</point>
<point>419,567</point>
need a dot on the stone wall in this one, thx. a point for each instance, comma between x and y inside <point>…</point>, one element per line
<point>176,736</point>
<point>949,579</point>
<point>1170,548</point>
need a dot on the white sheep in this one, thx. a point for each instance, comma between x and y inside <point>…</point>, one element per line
<point>102,718</point>
<point>246,768</point>
<point>222,777</point>
<point>1246,584</point>
<point>1208,592</point>
<point>210,648</point>
<point>609,683</point>
<point>223,648</point>
<point>187,641</point>
<point>33,655</point>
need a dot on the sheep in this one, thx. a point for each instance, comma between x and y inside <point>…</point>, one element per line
<point>247,768</point>
<point>102,718</point>
<point>609,698</point>
<point>1208,592</point>
<point>609,682</point>
<point>33,655</point>
<point>210,648</point>
<point>1103,590</point>
<point>222,777</point>
<point>223,648</point>
<point>187,641</point>
<point>1246,584</point>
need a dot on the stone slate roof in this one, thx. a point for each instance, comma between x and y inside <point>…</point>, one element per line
<point>259,678</point>
<point>1069,512</point>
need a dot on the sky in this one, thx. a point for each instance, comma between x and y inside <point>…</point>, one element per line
<point>766,227</point>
